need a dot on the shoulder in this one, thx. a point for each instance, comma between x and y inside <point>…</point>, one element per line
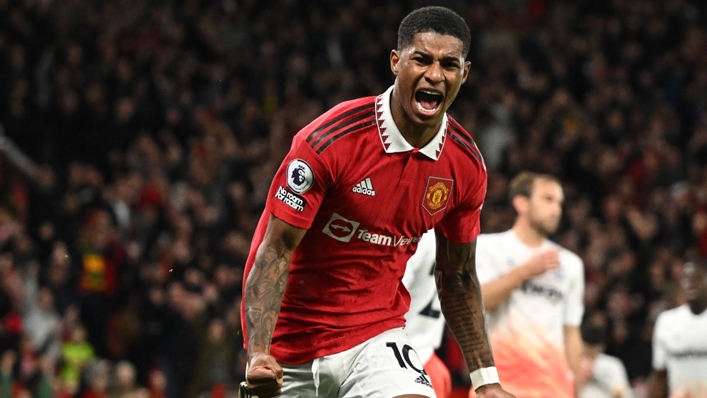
<point>670,318</point>
<point>569,256</point>
<point>672,314</point>
<point>458,137</point>
<point>490,239</point>
<point>609,361</point>
<point>342,119</point>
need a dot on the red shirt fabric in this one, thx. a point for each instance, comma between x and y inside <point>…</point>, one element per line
<point>365,197</point>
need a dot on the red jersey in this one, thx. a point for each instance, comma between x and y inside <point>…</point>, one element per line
<point>365,196</point>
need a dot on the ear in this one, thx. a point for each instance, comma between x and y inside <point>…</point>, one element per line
<point>467,67</point>
<point>394,61</point>
<point>520,203</point>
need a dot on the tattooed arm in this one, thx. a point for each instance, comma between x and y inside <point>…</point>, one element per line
<point>264,290</point>
<point>460,295</point>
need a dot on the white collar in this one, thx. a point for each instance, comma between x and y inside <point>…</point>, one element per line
<point>391,138</point>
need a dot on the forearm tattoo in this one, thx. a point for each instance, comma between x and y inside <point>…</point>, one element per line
<point>265,288</point>
<point>462,305</point>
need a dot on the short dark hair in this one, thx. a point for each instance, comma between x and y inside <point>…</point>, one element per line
<point>434,19</point>
<point>593,334</point>
<point>522,184</point>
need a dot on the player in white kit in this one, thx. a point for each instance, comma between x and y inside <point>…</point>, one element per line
<point>424,322</point>
<point>680,341</point>
<point>601,375</point>
<point>533,292</point>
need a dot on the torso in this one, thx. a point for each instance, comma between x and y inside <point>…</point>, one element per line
<point>527,330</point>
<point>682,335</point>
<point>344,282</point>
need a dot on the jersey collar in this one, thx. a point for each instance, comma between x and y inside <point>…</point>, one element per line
<point>392,139</point>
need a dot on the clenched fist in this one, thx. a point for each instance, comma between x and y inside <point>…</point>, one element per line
<point>264,376</point>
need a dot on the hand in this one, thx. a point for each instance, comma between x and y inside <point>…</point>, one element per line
<point>586,372</point>
<point>541,262</point>
<point>681,394</point>
<point>492,391</point>
<point>264,376</point>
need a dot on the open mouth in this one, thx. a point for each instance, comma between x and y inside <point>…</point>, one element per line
<point>428,101</point>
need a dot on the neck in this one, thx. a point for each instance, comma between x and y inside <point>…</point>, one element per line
<point>699,305</point>
<point>530,236</point>
<point>417,135</point>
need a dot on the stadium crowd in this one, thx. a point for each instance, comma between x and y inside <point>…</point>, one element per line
<point>157,126</point>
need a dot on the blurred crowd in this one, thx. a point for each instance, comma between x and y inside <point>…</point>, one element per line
<point>157,126</point>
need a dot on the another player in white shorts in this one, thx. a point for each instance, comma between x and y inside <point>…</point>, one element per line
<point>425,322</point>
<point>680,341</point>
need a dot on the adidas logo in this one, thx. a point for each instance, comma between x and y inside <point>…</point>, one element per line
<point>423,380</point>
<point>364,187</point>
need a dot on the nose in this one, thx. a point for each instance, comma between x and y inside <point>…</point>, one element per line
<point>434,73</point>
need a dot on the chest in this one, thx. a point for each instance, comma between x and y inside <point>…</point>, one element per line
<point>686,338</point>
<point>550,287</point>
<point>396,194</point>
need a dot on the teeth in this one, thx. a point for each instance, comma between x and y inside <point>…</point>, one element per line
<point>428,112</point>
<point>430,92</point>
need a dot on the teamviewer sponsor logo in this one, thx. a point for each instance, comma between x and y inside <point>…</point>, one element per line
<point>340,228</point>
<point>344,230</point>
<point>294,201</point>
<point>385,240</point>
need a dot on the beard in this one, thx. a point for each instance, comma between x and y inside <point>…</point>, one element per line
<point>546,228</point>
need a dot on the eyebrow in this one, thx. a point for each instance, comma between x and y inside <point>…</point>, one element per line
<point>445,58</point>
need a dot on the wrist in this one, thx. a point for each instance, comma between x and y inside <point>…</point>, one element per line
<point>484,376</point>
<point>254,354</point>
<point>521,275</point>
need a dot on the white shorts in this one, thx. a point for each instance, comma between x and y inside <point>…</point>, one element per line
<point>385,366</point>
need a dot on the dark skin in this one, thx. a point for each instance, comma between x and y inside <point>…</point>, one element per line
<point>432,62</point>
<point>459,293</point>
<point>265,288</point>
<point>694,284</point>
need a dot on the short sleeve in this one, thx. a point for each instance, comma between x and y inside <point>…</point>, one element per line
<point>462,224</point>
<point>574,305</point>
<point>619,382</point>
<point>659,354</point>
<point>486,270</point>
<point>299,186</point>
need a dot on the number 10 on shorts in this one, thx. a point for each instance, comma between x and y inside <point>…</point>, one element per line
<point>404,358</point>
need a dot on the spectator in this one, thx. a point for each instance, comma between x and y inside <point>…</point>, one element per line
<point>42,324</point>
<point>600,375</point>
<point>125,384</point>
<point>215,368</point>
<point>98,376</point>
<point>77,354</point>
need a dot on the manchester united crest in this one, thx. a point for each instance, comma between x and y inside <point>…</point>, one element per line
<point>437,194</point>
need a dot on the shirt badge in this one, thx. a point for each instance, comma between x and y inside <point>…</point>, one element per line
<point>437,194</point>
<point>300,176</point>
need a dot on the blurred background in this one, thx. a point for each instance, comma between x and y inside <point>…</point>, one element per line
<point>139,139</point>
